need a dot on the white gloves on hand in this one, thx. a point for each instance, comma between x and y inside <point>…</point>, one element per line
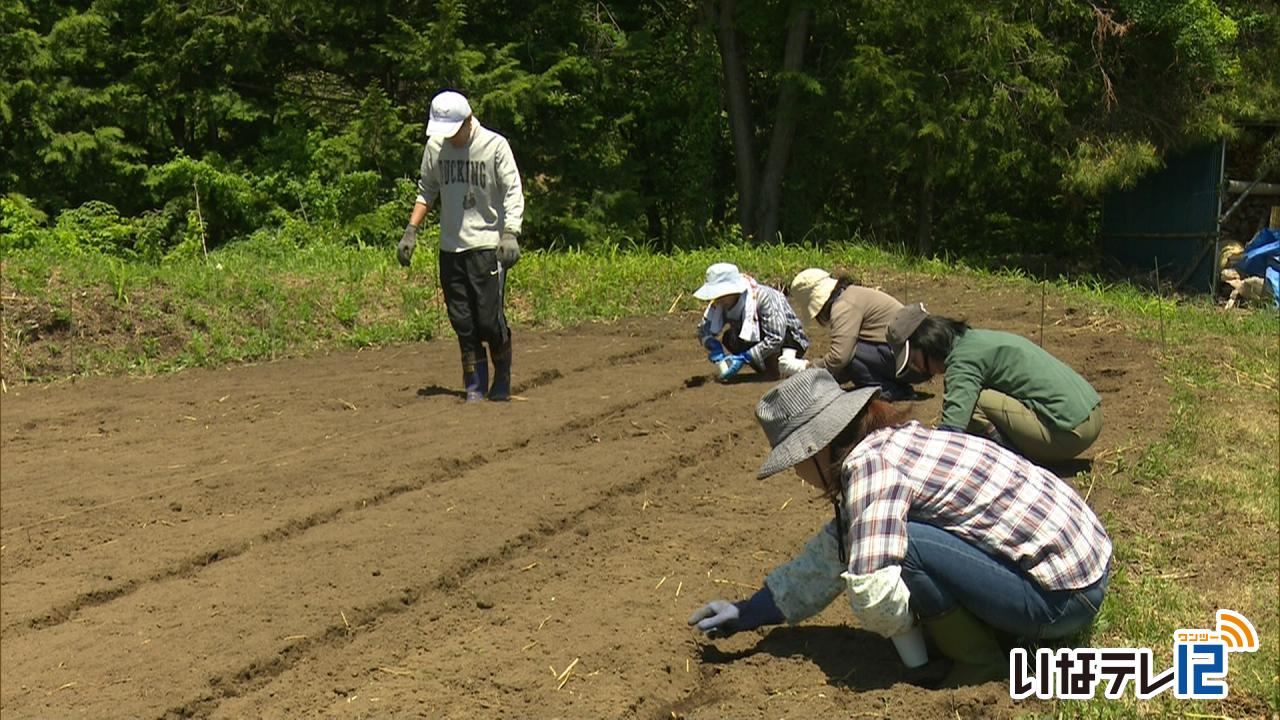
<point>789,364</point>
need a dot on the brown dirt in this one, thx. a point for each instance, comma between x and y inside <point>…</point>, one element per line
<point>339,537</point>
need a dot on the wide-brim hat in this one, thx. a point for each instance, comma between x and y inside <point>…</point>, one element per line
<point>803,414</point>
<point>448,111</point>
<point>722,279</point>
<point>901,327</point>
<point>810,290</point>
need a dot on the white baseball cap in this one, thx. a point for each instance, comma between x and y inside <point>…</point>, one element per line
<point>448,111</point>
<point>722,279</point>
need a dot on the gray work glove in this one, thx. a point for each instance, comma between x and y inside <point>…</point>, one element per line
<point>404,251</point>
<point>508,250</point>
<point>718,618</point>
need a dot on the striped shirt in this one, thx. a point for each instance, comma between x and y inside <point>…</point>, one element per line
<point>982,493</point>
<point>777,319</point>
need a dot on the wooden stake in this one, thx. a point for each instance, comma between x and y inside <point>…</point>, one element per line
<point>1043,287</point>
<point>1160,304</point>
<point>204,241</point>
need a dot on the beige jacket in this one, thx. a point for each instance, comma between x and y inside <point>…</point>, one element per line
<point>859,313</point>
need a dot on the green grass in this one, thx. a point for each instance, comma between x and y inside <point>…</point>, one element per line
<point>264,299</point>
<point>1212,487</point>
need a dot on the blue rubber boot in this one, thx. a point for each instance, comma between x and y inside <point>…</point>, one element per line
<point>475,379</point>
<point>501,390</point>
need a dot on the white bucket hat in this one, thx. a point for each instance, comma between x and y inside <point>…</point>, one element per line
<point>722,279</point>
<point>810,290</point>
<point>803,414</point>
<point>448,111</point>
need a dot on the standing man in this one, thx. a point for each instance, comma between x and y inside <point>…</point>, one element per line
<point>470,169</point>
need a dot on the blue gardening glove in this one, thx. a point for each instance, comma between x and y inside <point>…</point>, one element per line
<point>715,350</point>
<point>719,618</point>
<point>508,250</point>
<point>404,250</point>
<point>735,364</point>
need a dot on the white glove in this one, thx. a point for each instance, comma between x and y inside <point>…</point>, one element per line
<point>789,364</point>
<point>880,600</point>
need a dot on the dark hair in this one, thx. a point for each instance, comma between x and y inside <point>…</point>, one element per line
<point>877,414</point>
<point>824,315</point>
<point>936,334</point>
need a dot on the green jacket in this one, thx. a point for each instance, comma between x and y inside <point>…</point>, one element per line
<point>1017,367</point>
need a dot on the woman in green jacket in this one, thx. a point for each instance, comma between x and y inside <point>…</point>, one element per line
<point>999,385</point>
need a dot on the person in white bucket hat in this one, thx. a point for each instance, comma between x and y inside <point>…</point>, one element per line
<point>747,323</point>
<point>858,318</point>
<point>946,527</point>
<point>470,170</point>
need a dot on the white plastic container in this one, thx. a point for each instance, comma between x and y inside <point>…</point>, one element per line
<point>722,369</point>
<point>911,648</point>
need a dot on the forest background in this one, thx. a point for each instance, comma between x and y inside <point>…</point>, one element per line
<point>158,130</point>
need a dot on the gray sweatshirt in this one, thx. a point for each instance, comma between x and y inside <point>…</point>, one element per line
<point>478,186</point>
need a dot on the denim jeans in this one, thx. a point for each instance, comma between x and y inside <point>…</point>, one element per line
<point>873,364</point>
<point>943,571</point>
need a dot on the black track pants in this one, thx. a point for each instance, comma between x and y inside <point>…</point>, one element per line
<point>473,285</point>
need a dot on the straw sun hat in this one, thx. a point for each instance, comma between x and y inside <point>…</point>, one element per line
<point>810,290</point>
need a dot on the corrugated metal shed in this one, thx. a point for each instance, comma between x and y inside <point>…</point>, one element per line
<point>1169,218</point>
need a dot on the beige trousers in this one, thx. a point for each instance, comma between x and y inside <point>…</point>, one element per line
<point>1029,434</point>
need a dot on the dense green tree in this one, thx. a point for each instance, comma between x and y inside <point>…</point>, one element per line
<point>952,125</point>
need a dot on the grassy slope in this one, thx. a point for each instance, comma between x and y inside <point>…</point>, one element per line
<point>1212,481</point>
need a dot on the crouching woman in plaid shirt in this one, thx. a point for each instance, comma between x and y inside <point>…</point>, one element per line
<point>942,526</point>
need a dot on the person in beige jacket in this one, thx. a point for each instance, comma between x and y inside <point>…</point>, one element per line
<point>858,318</point>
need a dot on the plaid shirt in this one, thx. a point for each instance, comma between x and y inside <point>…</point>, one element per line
<point>975,489</point>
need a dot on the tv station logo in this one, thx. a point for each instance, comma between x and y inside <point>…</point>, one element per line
<point>1199,672</point>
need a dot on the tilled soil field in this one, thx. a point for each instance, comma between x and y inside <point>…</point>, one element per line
<point>340,536</point>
